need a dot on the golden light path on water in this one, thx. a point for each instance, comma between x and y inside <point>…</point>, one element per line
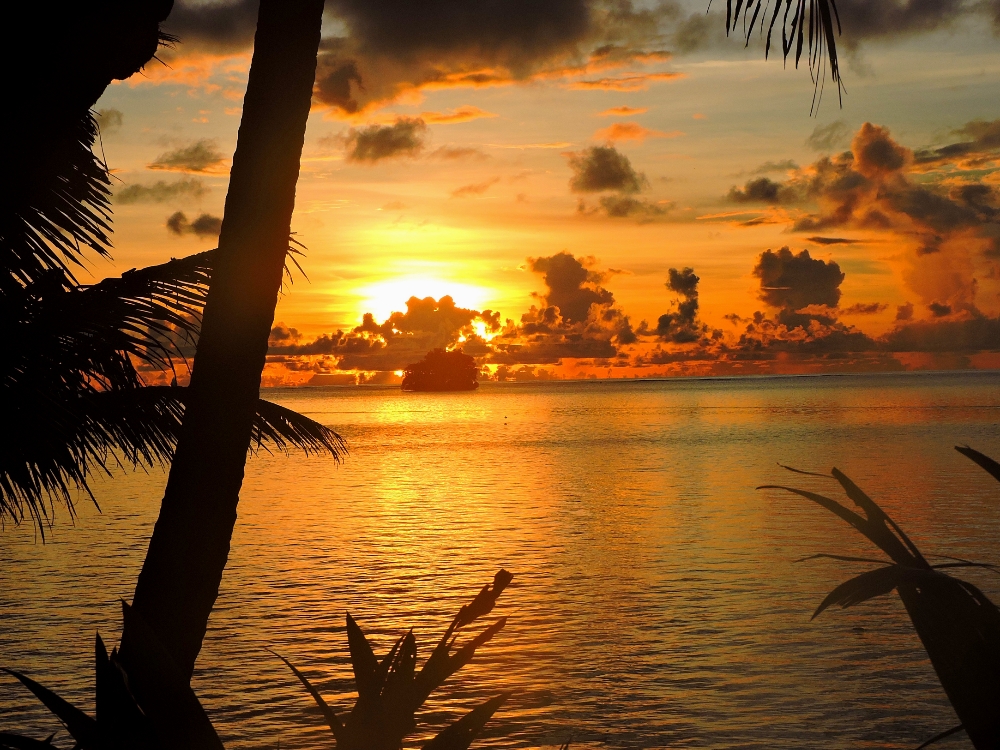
<point>656,601</point>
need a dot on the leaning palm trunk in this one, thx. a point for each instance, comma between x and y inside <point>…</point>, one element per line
<point>180,578</point>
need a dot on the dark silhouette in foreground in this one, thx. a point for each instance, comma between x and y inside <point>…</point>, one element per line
<point>391,691</point>
<point>442,371</point>
<point>957,624</point>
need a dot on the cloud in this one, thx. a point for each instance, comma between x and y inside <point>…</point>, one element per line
<point>977,333</point>
<point>477,188</point>
<point>820,240</point>
<point>604,168</point>
<point>623,111</point>
<point>826,138</point>
<point>792,282</point>
<point>682,326</point>
<point>572,288</point>
<point>202,156</point>
<point>860,308</point>
<point>776,166</point>
<point>161,191</point>
<point>939,310</point>
<point>980,146</point>
<point>110,121</point>
<point>904,312</point>
<point>400,340</point>
<point>623,83</point>
<point>205,225</point>
<point>390,49</point>
<point>632,131</point>
<point>626,206</point>
<point>214,27</point>
<point>763,190</point>
<point>374,143</point>
<point>942,205</point>
<point>457,153</point>
<point>876,154</point>
<point>465,113</point>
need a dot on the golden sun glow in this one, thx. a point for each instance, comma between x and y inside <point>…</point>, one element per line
<point>383,298</point>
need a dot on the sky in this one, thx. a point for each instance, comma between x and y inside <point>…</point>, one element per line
<point>591,188</point>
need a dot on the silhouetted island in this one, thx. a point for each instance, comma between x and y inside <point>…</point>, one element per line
<point>442,371</point>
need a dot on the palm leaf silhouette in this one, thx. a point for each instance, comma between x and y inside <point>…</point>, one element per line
<point>72,393</point>
<point>957,623</point>
<point>806,25</point>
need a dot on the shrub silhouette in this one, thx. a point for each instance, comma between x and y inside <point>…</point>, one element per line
<point>390,691</point>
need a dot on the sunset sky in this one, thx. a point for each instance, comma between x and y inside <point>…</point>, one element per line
<point>546,165</point>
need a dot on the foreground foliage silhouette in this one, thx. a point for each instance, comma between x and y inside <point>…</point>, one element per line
<point>957,624</point>
<point>391,691</point>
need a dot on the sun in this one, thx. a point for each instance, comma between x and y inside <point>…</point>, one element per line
<point>385,297</point>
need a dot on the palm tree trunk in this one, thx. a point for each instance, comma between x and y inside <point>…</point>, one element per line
<point>187,554</point>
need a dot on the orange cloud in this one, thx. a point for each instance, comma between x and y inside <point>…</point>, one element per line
<point>623,111</point>
<point>638,82</point>
<point>632,131</point>
<point>466,113</point>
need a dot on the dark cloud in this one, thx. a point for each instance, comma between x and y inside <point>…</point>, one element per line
<point>161,192</point>
<point>110,121</point>
<point>826,138</point>
<point>976,333</point>
<point>876,154</point>
<point>604,168</point>
<point>394,47</point>
<point>939,310</point>
<point>763,190</point>
<point>205,225</point>
<point>904,312</point>
<point>819,240</point>
<point>213,27</point>
<point>681,326</point>
<point>373,143</point>
<point>981,145</point>
<point>860,308</point>
<point>792,282</point>
<point>776,166</point>
<point>201,156</point>
<point>864,20</point>
<point>477,188</point>
<point>625,206</point>
<point>946,211</point>
<point>572,288</point>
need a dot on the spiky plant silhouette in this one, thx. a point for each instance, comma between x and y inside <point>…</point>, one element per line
<point>170,716</point>
<point>957,623</point>
<point>391,691</point>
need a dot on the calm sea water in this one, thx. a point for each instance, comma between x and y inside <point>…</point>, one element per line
<point>656,599</point>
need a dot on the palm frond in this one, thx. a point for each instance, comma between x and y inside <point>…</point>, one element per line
<point>60,443</point>
<point>62,207</point>
<point>802,20</point>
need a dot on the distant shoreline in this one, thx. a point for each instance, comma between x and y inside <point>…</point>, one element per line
<point>755,377</point>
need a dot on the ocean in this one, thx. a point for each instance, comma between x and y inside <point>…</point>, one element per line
<point>656,600</point>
